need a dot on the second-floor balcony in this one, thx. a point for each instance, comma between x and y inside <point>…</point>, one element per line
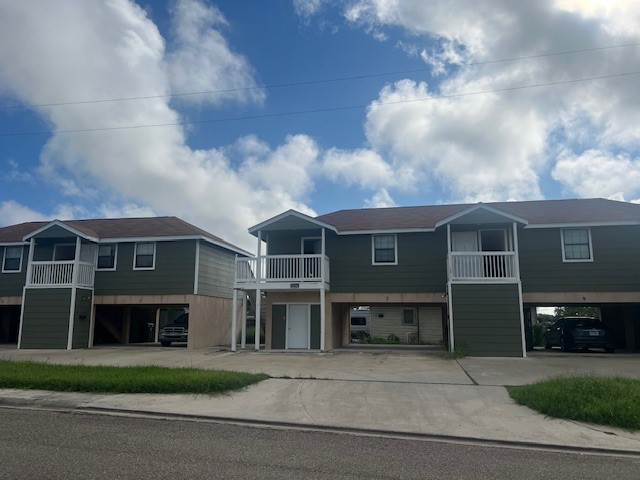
<point>482,266</point>
<point>282,272</point>
<point>61,274</point>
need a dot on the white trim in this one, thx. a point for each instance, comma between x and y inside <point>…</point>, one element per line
<point>197,269</point>
<point>576,260</point>
<point>13,244</point>
<point>293,213</point>
<point>61,225</point>
<point>259,298</point>
<point>452,342</point>
<point>115,258</point>
<point>74,292</point>
<point>323,299</point>
<point>478,206</point>
<point>135,254</point>
<point>302,239</point>
<point>373,249</point>
<point>56,245</point>
<point>234,318</point>
<point>620,223</point>
<point>243,339</point>
<point>4,257</point>
<point>516,248</point>
<point>24,298</point>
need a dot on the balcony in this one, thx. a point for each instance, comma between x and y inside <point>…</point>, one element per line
<point>282,272</point>
<point>60,274</point>
<point>482,266</point>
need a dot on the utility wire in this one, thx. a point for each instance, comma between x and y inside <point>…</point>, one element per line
<point>320,110</point>
<point>308,82</point>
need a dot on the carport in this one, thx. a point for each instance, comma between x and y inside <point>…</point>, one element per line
<point>9,323</point>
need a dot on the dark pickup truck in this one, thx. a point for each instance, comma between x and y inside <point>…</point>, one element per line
<point>176,331</point>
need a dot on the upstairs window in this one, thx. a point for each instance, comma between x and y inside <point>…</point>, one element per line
<point>145,256</point>
<point>12,261</point>
<point>384,250</point>
<point>107,257</point>
<point>576,245</point>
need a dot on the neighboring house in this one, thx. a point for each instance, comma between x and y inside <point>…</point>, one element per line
<point>465,275</point>
<point>73,284</point>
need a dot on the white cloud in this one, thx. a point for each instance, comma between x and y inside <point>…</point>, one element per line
<point>94,49</point>
<point>12,212</point>
<point>361,167</point>
<point>308,8</point>
<point>596,173</point>
<point>202,59</point>
<point>498,145</point>
<point>380,199</point>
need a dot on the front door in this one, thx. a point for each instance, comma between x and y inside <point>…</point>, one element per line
<point>464,241</point>
<point>298,326</point>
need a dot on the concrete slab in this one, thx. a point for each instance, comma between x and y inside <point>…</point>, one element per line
<point>540,365</point>
<point>379,366</point>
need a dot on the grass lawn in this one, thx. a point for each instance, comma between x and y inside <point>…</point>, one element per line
<point>601,400</point>
<point>147,379</point>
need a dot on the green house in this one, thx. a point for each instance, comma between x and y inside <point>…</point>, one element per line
<point>79,283</point>
<point>465,275</point>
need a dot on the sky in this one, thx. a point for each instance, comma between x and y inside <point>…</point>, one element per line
<point>226,113</point>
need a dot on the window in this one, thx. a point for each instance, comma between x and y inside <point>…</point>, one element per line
<point>12,261</point>
<point>64,252</point>
<point>384,250</point>
<point>107,257</point>
<point>576,245</point>
<point>145,256</point>
<point>408,316</point>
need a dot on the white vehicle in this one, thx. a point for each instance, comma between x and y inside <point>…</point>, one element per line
<point>360,324</point>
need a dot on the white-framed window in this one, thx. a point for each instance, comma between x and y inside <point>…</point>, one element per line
<point>64,252</point>
<point>12,260</point>
<point>107,255</point>
<point>144,257</point>
<point>408,316</point>
<point>384,249</point>
<point>576,245</point>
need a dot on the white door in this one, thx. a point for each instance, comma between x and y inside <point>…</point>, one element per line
<point>298,326</point>
<point>464,241</point>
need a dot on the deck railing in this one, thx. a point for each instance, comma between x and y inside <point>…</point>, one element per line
<point>60,274</point>
<point>282,269</point>
<point>482,266</point>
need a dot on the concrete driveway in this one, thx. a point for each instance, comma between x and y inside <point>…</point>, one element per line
<point>411,366</point>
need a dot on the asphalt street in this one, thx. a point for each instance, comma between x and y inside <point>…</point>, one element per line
<point>36,444</point>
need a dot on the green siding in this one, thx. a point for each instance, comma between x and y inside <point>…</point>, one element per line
<point>315,327</point>
<point>56,231</point>
<point>421,264</point>
<point>486,319</point>
<point>45,322</point>
<point>82,318</point>
<point>616,265</point>
<point>173,274</point>
<point>11,283</point>
<point>216,271</point>
<point>288,243</point>
<point>278,326</point>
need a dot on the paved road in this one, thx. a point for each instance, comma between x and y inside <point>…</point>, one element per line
<point>49,445</point>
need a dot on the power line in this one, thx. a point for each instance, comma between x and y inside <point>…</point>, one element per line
<point>321,110</point>
<point>308,82</point>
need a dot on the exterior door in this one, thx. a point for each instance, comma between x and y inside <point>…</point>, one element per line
<point>298,326</point>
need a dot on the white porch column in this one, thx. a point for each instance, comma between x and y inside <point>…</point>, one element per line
<point>32,244</point>
<point>74,284</point>
<point>243,338</point>
<point>258,291</point>
<point>517,272</point>
<point>234,316</point>
<point>452,343</point>
<point>322,295</point>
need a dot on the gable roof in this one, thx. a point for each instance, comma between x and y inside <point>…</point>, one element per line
<point>120,229</point>
<point>537,214</point>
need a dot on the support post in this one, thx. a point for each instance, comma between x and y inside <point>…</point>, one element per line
<point>243,338</point>
<point>258,291</point>
<point>516,261</point>
<point>322,296</point>
<point>452,342</point>
<point>234,317</point>
<point>74,288</point>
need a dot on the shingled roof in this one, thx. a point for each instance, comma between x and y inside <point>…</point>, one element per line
<point>121,228</point>
<point>536,213</point>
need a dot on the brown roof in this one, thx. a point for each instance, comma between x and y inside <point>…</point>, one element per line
<point>540,212</point>
<point>106,228</point>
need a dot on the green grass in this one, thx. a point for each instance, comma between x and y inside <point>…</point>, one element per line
<point>146,379</point>
<point>602,400</point>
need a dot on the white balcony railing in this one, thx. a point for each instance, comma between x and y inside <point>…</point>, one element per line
<point>270,269</point>
<point>60,274</point>
<point>482,266</point>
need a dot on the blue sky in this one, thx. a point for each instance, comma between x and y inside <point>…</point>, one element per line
<point>572,139</point>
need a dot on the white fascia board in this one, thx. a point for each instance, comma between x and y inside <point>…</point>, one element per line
<point>585,224</point>
<point>13,244</point>
<point>385,231</point>
<point>61,225</point>
<point>293,213</point>
<point>174,238</point>
<point>483,206</point>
